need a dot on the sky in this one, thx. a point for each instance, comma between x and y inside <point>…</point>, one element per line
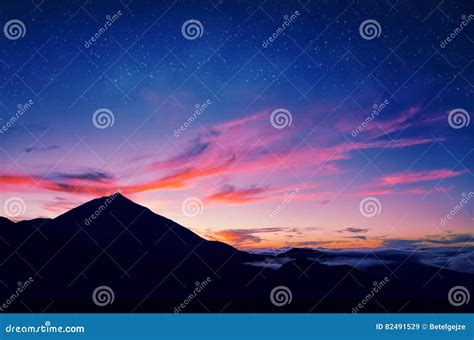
<point>331,124</point>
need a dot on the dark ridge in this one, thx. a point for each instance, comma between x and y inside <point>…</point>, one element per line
<point>153,264</point>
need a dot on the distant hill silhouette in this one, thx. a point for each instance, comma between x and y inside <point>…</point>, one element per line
<point>153,264</point>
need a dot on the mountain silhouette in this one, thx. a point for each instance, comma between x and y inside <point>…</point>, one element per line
<point>153,264</point>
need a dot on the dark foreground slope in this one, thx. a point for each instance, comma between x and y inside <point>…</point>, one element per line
<point>153,264</point>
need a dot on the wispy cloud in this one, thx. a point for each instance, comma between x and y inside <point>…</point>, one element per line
<point>410,183</point>
<point>448,239</point>
<point>196,148</point>
<point>358,237</point>
<point>89,175</point>
<point>40,148</point>
<point>242,236</point>
<point>419,176</point>
<point>60,204</point>
<point>231,194</point>
<point>353,230</point>
<point>385,127</point>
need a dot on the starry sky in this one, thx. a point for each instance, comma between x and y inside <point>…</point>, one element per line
<point>249,122</point>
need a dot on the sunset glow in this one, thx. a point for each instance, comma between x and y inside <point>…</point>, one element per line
<point>198,119</point>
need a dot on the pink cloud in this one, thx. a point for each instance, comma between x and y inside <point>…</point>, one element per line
<point>382,128</point>
<point>387,184</point>
<point>381,192</point>
<point>419,176</point>
<point>378,126</point>
<point>247,146</point>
